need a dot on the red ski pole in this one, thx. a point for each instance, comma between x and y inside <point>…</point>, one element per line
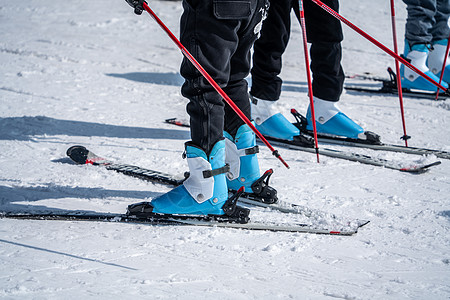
<point>378,44</point>
<point>213,83</point>
<point>308,75</point>
<point>397,69</point>
<point>443,66</point>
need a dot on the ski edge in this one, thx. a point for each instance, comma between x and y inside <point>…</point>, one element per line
<point>122,218</point>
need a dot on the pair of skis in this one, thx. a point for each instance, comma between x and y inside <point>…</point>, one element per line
<point>388,87</point>
<point>304,143</point>
<point>81,155</point>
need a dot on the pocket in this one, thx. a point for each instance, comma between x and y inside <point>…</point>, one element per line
<point>232,10</point>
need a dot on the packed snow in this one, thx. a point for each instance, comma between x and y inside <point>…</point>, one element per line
<point>93,73</point>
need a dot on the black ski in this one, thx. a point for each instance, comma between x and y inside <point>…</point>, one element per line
<point>175,220</point>
<point>81,155</point>
<point>416,168</point>
<point>389,86</point>
<point>304,143</point>
<point>372,142</point>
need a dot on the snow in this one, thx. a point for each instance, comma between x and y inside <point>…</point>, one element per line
<point>93,73</point>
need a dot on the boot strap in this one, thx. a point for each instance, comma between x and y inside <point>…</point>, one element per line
<point>211,173</point>
<point>248,151</point>
<point>251,150</point>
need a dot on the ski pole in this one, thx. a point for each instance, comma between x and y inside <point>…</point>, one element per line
<point>405,137</point>
<point>308,75</point>
<point>378,44</point>
<point>443,65</point>
<point>213,83</point>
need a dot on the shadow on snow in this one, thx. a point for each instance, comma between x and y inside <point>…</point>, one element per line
<point>173,79</point>
<point>23,128</point>
<point>11,194</point>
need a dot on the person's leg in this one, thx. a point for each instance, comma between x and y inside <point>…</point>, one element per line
<point>267,63</point>
<point>419,21</point>
<point>418,38</point>
<point>324,32</point>
<point>440,32</point>
<point>440,29</point>
<point>268,51</point>
<point>209,33</point>
<point>240,139</point>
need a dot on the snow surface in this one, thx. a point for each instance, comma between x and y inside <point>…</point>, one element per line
<point>93,73</point>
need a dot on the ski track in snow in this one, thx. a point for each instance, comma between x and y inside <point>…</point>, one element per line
<point>95,74</point>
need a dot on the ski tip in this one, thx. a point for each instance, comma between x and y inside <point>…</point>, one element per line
<point>420,169</point>
<point>362,223</point>
<point>75,148</point>
<point>178,122</point>
<point>78,154</point>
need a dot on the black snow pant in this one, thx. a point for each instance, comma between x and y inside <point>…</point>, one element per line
<point>323,31</point>
<point>219,34</point>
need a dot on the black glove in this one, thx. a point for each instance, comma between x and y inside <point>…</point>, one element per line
<point>138,5</point>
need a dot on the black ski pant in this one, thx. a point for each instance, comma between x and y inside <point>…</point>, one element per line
<point>219,34</point>
<point>324,32</point>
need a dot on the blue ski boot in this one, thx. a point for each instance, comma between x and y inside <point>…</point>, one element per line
<point>436,60</point>
<point>205,191</point>
<point>417,55</point>
<point>241,155</point>
<point>270,122</point>
<point>330,120</point>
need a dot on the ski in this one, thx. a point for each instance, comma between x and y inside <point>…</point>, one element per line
<point>392,90</point>
<point>304,143</point>
<point>385,147</point>
<point>81,155</point>
<point>356,157</point>
<point>372,142</point>
<point>174,220</point>
<point>389,87</point>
